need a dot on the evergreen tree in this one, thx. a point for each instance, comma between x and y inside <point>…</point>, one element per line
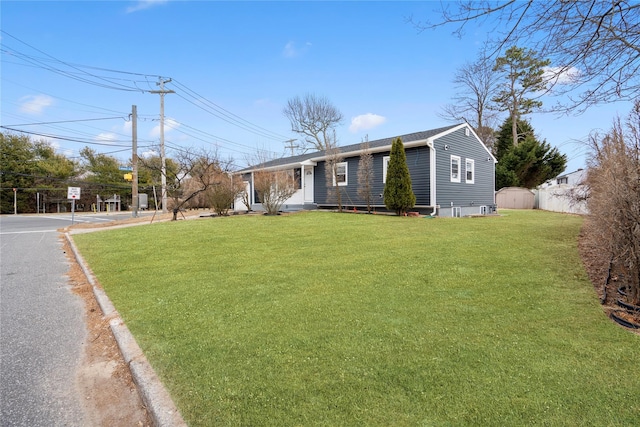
<point>16,158</point>
<point>102,168</point>
<point>530,162</point>
<point>504,136</point>
<point>398,195</point>
<point>523,72</point>
<point>30,167</point>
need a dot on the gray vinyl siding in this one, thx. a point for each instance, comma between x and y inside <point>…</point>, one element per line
<point>419,166</point>
<point>462,194</point>
<point>417,162</point>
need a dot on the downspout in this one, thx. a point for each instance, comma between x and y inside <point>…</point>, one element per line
<point>252,192</point>
<point>432,176</point>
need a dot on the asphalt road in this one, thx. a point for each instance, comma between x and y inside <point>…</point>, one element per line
<point>42,329</point>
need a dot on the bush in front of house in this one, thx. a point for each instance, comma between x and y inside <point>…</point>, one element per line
<point>398,195</point>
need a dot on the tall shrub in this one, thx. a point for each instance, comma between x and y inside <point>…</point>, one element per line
<point>274,188</point>
<point>365,174</point>
<point>398,195</point>
<point>614,197</point>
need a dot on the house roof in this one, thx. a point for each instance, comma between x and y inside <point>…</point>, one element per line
<point>376,145</point>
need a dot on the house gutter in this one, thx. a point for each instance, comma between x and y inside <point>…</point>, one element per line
<point>314,160</point>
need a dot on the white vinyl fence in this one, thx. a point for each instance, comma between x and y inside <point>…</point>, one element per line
<point>561,198</point>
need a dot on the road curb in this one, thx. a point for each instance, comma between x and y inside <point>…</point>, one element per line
<point>162,410</point>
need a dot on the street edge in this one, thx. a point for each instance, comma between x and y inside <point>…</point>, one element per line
<point>162,409</point>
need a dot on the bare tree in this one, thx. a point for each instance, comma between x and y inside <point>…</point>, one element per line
<point>613,181</point>
<point>226,190</point>
<point>475,84</point>
<point>274,187</point>
<point>314,117</point>
<point>195,172</point>
<point>335,171</point>
<point>592,44</point>
<point>245,196</point>
<point>365,174</point>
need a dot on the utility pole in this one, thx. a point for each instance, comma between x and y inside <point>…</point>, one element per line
<point>163,158</point>
<point>291,146</point>
<point>134,159</point>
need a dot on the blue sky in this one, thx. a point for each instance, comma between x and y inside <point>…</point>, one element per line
<point>241,61</point>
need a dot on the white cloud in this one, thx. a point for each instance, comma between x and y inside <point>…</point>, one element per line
<point>291,50</point>
<point>366,122</point>
<point>35,104</point>
<point>169,125</point>
<point>149,153</point>
<point>559,75</point>
<point>68,152</point>
<point>106,136</point>
<point>145,4</point>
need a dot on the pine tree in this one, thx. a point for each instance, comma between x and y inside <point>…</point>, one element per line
<point>504,136</point>
<point>530,162</point>
<point>398,195</point>
<point>523,71</point>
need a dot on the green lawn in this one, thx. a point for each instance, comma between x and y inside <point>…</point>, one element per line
<point>339,319</point>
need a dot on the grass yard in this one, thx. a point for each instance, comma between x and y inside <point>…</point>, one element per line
<point>333,319</point>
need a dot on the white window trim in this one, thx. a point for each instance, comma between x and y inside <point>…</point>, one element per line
<point>456,212</point>
<point>468,162</point>
<point>346,174</point>
<point>385,168</point>
<point>455,179</point>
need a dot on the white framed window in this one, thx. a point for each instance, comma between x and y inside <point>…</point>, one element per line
<point>483,210</point>
<point>469,170</point>
<point>340,177</point>
<point>385,167</point>
<point>455,212</point>
<point>455,168</point>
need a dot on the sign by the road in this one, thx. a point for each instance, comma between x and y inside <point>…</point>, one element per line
<point>73,193</point>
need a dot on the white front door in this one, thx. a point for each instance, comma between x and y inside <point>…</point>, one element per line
<point>308,184</point>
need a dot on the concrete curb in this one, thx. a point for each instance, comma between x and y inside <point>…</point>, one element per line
<point>162,410</point>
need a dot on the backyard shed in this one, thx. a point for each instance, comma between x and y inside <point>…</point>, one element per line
<point>515,198</point>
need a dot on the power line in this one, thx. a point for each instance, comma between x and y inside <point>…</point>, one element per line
<point>66,121</point>
<point>218,111</point>
<point>212,136</point>
<point>101,81</point>
<point>63,138</point>
<point>65,99</point>
<point>108,85</point>
<point>78,72</point>
<point>69,179</point>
